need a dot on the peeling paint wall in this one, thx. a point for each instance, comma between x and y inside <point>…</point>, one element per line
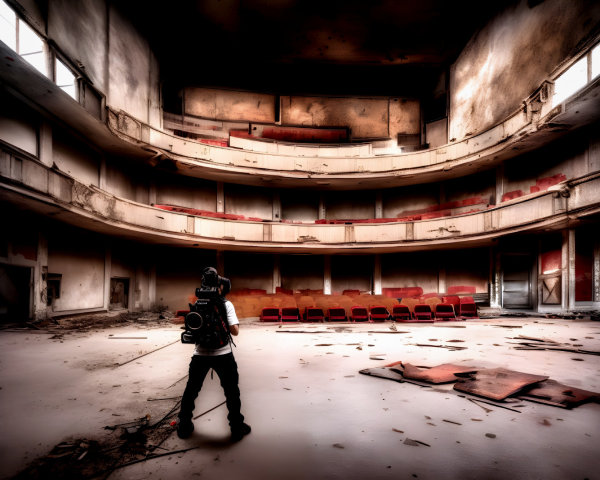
<point>80,257</point>
<point>366,117</point>
<point>345,205</point>
<point>510,57</point>
<point>79,28</point>
<point>299,205</point>
<point>229,105</point>
<point>398,200</point>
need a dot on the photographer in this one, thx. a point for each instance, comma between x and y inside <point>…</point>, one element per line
<point>213,350</point>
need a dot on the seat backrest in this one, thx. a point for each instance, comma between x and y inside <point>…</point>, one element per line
<point>467,299</point>
<point>422,308</point>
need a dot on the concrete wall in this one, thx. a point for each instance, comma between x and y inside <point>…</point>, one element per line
<point>80,257</point>
<point>229,105</point>
<point>299,205</point>
<point>108,49</point>
<point>249,201</point>
<point>349,205</point>
<point>186,192</point>
<point>351,273</point>
<point>301,272</point>
<point>249,270</point>
<point>366,117</point>
<point>75,159</point>
<point>418,269</point>
<point>18,126</point>
<point>398,200</point>
<point>510,57</point>
<point>178,273</point>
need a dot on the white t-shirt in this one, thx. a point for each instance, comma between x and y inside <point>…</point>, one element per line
<point>231,320</point>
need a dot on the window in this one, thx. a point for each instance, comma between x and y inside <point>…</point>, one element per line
<point>8,26</point>
<point>65,79</point>
<point>31,47</point>
<point>595,61</point>
<point>570,81</point>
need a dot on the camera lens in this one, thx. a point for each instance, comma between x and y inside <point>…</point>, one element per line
<point>193,321</point>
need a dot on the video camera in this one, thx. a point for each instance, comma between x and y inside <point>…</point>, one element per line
<point>206,324</point>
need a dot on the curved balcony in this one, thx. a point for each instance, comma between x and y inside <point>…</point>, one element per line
<point>25,181</point>
<point>532,126</point>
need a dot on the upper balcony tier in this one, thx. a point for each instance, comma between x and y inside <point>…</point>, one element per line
<point>28,184</point>
<point>535,123</point>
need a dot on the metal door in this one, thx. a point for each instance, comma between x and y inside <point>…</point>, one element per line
<point>516,284</point>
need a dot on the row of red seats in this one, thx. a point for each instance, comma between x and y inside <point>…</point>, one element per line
<point>378,313</point>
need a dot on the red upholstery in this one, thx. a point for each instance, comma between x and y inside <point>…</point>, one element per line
<point>444,311</point>
<point>402,292</point>
<point>359,314</point>
<point>423,313</point>
<point>270,314</point>
<point>513,194</point>
<point>290,314</point>
<point>401,313</point>
<point>461,289</point>
<point>336,314</point>
<point>379,313</point>
<point>452,299</point>
<point>313,314</point>
<point>468,307</point>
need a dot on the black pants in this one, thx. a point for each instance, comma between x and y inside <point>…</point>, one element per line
<point>226,369</point>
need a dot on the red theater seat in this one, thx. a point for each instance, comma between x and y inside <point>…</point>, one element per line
<point>468,308</point>
<point>423,313</point>
<point>336,314</point>
<point>379,313</point>
<point>290,314</point>
<point>401,313</point>
<point>444,311</point>
<point>359,314</point>
<point>270,314</point>
<point>313,314</point>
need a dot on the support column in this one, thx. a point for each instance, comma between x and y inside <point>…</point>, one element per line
<point>276,206</point>
<point>152,192</point>
<point>276,272</point>
<point>378,204</point>
<point>327,274</point>
<point>45,149</point>
<point>102,184</point>
<point>442,279</point>
<point>495,279</point>
<point>152,286</point>
<point>377,275</point>
<point>568,271</point>
<point>40,286</point>
<point>322,206</point>
<point>221,263</point>
<point>499,184</point>
<point>107,269</point>
<point>220,197</point>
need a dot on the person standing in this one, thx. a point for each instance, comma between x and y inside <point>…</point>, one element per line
<point>221,360</point>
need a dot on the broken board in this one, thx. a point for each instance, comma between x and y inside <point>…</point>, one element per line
<point>495,383</point>
<point>554,393</point>
<point>444,373</point>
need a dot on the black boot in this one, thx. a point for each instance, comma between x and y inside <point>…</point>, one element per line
<point>240,431</point>
<point>184,428</point>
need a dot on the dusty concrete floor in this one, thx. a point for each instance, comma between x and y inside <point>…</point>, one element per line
<point>313,415</point>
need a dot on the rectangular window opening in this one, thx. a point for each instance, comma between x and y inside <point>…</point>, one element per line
<point>572,80</point>
<point>65,79</point>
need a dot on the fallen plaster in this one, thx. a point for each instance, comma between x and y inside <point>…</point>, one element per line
<point>312,414</point>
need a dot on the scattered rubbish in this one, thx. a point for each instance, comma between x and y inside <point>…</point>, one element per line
<point>338,445</point>
<point>386,331</point>
<point>439,374</point>
<point>578,359</point>
<point>176,382</point>
<point>449,347</point>
<point>148,353</point>
<point>554,393</point>
<point>164,398</point>
<point>533,343</point>
<point>415,443</point>
<point>302,331</point>
<point>477,419</point>
<point>495,383</point>
<point>450,421</point>
<point>398,431</point>
<point>454,341</point>
<point>508,326</point>
<point>490,435</point>
<point>324,345</point>
<point>110,337</point>
<point>546,423</point>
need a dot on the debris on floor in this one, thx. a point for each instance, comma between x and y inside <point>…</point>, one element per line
<point>496,385</point>
<point>532,343</point>
<point>439,374</point>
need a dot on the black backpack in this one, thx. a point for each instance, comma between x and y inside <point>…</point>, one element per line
<point>206,324</point>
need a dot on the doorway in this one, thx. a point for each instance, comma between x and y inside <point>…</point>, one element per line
<point>15,293</point>
<point>516,284</point>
